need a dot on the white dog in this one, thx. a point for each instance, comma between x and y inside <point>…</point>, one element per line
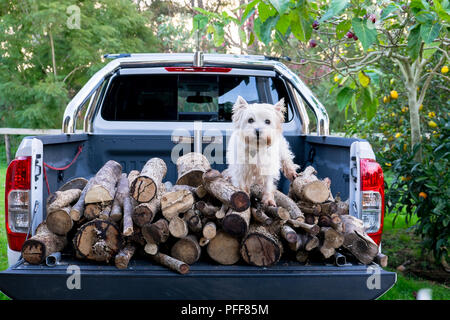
<point>257,149</point>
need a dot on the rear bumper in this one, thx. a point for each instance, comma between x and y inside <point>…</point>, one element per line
<point>142,280</point>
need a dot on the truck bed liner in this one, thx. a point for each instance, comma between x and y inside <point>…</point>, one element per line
<point>143,280</point>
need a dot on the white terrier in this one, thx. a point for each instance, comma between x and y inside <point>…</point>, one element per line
<point>257,149</point>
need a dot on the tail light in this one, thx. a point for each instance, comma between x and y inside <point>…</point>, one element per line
<point>372,198</point>
<point>17,201</point>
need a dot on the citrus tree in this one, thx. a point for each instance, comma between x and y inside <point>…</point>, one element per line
<point>350,38</point>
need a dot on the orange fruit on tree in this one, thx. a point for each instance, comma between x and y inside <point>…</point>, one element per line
<point>394,94</point>
<point>423,195</point>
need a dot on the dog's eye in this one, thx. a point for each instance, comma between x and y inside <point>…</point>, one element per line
<point>267,121</point>
<point>251,120</point>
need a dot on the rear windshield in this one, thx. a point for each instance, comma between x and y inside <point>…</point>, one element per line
<point>187,97</point>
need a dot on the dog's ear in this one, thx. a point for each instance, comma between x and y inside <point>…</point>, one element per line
<point>239,104</point>
<point>280,107</point>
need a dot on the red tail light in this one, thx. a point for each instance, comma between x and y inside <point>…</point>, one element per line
<point>197,69</point>
<point>372,198</point>
<point>17,201</point>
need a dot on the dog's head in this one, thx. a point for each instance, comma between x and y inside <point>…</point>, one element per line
<point>258,122</point>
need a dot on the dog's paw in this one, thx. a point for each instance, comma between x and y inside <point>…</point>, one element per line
<point>268,200</point>
<point>291,174</point>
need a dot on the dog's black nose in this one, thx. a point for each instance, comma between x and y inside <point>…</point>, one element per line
<point>257,133</point>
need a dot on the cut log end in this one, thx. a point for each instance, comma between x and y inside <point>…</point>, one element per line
<point>240,201</point>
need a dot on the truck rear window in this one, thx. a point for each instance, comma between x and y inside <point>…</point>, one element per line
<point>186,97</point>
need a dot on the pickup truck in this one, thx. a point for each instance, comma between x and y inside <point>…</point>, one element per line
<point>141,106</point>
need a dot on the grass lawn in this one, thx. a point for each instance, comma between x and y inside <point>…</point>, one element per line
<point>399,243</point>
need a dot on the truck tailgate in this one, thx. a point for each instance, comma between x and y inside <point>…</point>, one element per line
<point>143,280</point>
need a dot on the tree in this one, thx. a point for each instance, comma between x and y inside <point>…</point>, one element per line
<point>50,48</point>
<point>350,37</point>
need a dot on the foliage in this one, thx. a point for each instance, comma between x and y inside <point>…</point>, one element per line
<point>45,58</point>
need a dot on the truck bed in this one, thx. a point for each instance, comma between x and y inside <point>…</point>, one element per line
<point>205,281</point>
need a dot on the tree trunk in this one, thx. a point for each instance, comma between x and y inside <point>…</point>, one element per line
<point>224,248</point>
<point>357,241</point>
<point>97,240</point>
<point>190,169</point>
<point>103,188</point>
<point>8,150</point>
<point>224,191</point>
<point>36,249</point>
<point>308,187</point>
<point>124,256</point>
<point>187,250</point>
<point>77,210</point>
<point>261,247</point>
<point>236,223</point>
<point>414,117</point>
<point>144,187</point>
<point>171,263</point>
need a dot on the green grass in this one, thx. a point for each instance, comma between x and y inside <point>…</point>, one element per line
<point>3,241</point>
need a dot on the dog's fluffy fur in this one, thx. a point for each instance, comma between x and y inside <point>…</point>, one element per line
<point>257,149</point>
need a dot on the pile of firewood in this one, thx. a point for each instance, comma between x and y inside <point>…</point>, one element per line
<point>115,216</point>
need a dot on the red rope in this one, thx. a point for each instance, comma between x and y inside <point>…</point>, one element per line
<point>80,148</point>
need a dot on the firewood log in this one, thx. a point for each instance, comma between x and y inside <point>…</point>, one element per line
<point>75,183</point>
<point>151,248</point>
<point>259,216</point>
<point>312,229</point>
<point>209,230</point>
<point>176,202</point>
<point>288,234</point>
<point>105,213</point>
<point>93,210</point>
<point>37,248</point>
<point>97,240</point>
<point>381,259</point>
<point>191,167</point>
<point>145,212</point>
<point>122,259</point>
<point>145,186</point>
<point>331,241</point>
<point>308,187</point>
<point>157,232</point>
<point>236,223</point>
<point>203,241</point>
<point>77,211</point>
<point>281,200</point>
<point>309,208</point>
<point>59,221</point>
<point>328,208</point>
<point>132,176</point>
<point>103,187</point>
<point>193,221</point>
<point>199,191</point>
<point>206,209</point>
<point>224,191</point>
<point>222,212</point>
<point>261,247</point>
<point>61,199</point>
<point>127,216</point>
<point>302,256</point>
<point>171,263</point>
<point>122,191</point>
<point>305,242</point>
<point>342,207</point>
<point>186,249</point>
<point>357,241</point>
<point>178,227</point>
<point>224,248</point>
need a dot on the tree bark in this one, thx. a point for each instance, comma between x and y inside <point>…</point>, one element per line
<point>127,216</point>
<point>224,191</point>
<point>186,249</point>
<point>261,247</point>
<point>103,187</point>
<point>123,191</point>
<point>36,249</point>
<point>259,216</point>
<point>224,248</point>
<point>61,199</point>
<point>145,186</point>
<point>157,232</point>
<point>97,240</point>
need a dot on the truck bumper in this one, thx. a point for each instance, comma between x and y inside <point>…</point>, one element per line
<point>73,279</point>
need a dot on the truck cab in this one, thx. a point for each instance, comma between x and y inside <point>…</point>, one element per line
<point>141,106</point>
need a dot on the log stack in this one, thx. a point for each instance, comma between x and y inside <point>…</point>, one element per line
<point>114,216</point>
